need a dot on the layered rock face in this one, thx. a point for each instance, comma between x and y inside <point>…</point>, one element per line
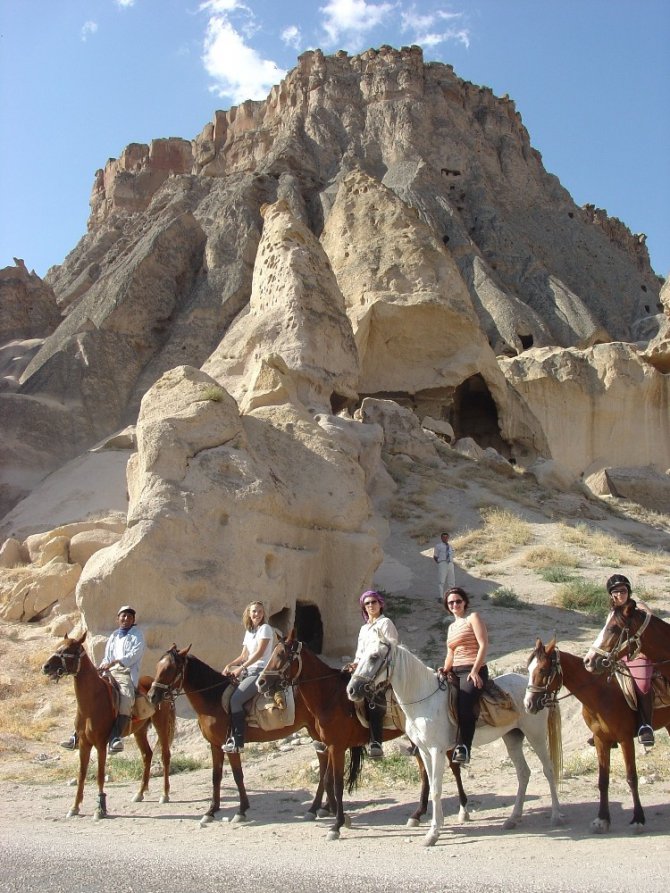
<point>377,229</point>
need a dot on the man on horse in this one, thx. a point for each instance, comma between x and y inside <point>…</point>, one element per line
<point>123,656</point>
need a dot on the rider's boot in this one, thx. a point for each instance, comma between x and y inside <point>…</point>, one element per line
<point>115,736</point>
<point>376,714</point>
<point>235,744</point>
<point>645,732</point>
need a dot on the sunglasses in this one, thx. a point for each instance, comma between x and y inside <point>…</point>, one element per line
<point>372,602</point>
<point>618,592</point>
<point>456,601</point>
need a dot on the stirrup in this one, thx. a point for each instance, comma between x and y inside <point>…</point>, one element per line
<point>375,751</point>
<point>231,747</point>
<point>460,754</point>
<point>319,746</point>
<point>645,735</point>
<point>115,746</point>
<point>71,743</point>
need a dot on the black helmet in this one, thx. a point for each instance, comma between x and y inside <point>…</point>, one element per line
<point>618,580</point>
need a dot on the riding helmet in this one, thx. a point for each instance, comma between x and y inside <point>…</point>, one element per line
<point>618,580</point>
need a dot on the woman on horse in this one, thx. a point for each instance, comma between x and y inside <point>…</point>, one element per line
<point>620,589</point>
<point>256,650</point>
<point>464,666</point>
<point>372,608</point>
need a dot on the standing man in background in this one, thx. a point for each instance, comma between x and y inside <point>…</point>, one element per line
<point>443,556</point>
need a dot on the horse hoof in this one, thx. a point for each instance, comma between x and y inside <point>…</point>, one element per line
<point>431,839</point>
<point>557,821</point>
<point>164,799</point>
<point>413,823</point>
<point>99,814</point>
<point>347,820</point>
<point>600,826</point>
<point>206,820</point>
<point>72,812</point>
<point>309,817</point>
<point>510,823</point>
<point>463,815</point>
<point>238,818</point>
<point>333,835</point>
<point>323,813</point>
<point>637,827</point>
<point>138,798</point>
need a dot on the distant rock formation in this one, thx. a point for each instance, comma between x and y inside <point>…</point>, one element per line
<point>374,244</point>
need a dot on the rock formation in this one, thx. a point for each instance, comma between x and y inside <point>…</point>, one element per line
<point>290,294</point>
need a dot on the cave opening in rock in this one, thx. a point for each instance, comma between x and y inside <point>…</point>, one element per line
<point>474,414</point>
<point>308,626</point>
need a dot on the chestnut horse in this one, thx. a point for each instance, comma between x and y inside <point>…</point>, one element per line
<point>95,718</point>
<point>323,690</point>
<point>605,712</point>
<point>629,630</point>
<point>178,671</point>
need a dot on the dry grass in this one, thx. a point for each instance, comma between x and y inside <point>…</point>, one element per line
<point>502,532</point>
<point>549,556</point>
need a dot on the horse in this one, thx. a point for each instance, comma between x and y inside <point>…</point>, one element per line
<point>630,630</point>
<point>605,712</point>
<point>429,724</point>
<point>95,718</point>
<point>323,690</point>
<point>178,670</point>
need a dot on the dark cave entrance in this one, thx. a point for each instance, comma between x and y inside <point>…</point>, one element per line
<point>474,414</point>
<point>308,626</point>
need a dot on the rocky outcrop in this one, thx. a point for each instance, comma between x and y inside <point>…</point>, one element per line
<point>28,307</point>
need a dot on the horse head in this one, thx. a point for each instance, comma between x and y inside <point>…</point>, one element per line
<point>545,677</point>
<point>619,637</point>
<point>66,660</point>
<point>283,667</point>
<point>169,675</point>
<point>372,670</point>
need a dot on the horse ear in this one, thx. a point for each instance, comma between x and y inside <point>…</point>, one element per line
<point>186,650</point>
<point>82,637</point>
<point>551,645</point>
<point>291,636</point>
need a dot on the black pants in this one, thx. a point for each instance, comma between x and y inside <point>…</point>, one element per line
<point>468,703</point>
<point>376,711</point>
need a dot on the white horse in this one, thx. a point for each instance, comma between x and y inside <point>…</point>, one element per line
<point>425,703</point>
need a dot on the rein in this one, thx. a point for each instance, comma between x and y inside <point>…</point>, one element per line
<point>63,670</point>
<point>371,689</point>
<point>551,698</point>
<point>175,689</point>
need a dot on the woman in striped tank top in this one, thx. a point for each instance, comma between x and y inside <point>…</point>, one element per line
<point>467,644</point>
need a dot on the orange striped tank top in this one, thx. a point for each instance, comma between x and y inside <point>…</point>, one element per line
<point>461,637</point>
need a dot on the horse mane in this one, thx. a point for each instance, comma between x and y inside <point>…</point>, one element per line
<point>205,678</point>
<point>415,671</point>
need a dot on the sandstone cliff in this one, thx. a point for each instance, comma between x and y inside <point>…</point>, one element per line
<point>376,228</point>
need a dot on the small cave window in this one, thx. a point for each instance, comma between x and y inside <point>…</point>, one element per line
<point>308,626</point>
<point>337,403</point>
<point>526,341</point>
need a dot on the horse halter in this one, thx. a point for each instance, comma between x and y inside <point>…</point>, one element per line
<point>627,642</point>
<point>172,688</point>
<point>370,687</point>
<point>63,669</point>
<point>282,675</point>
<point>555,675</point>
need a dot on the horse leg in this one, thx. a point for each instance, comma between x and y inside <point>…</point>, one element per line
<point>147,753</point>
<point>84,757</point>
<point>163,722</point>
<point>217,773</point>
<point>336,768</point>
<point>514,744</point>
<point>541,748</point>
<point>628,753</point>
<point>101,808</point>
<point>414,821</point>
<point>433,759</point>
<point>601,824</point>
<point>316,807</point>
<point>235,761</point>
<point>463,814</point>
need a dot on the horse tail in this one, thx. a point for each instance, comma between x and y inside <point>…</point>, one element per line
<point>172,721</point>
<point>356,760</point>
<point>555,740</point>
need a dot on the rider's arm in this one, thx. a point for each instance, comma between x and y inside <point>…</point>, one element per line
<point>239,660</point>
<point>482,636</point>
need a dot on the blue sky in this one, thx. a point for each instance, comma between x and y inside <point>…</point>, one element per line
<point>80,79</point>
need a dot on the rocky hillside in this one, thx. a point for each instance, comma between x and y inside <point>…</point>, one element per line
<point>203,403</point>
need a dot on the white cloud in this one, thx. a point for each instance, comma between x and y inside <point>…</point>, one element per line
<point>425,27</point>
<point>352,17</point>
<point>124,4</point>
<point>87,29</point>
<point>237,69</point>
<point>291,36</point>
<point>220,7</point>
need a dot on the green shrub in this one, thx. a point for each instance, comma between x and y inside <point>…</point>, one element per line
<point>507,598</point>
<point>557,574</point>
<point>583,595</point>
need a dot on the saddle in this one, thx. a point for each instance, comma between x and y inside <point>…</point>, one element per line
<point>660,687</point>
<point>142,708</point>
<point>263,711</point>
<point>496,707</point>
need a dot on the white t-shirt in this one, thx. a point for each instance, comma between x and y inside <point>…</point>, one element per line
<point>369,632</point>
<point>252,640</point>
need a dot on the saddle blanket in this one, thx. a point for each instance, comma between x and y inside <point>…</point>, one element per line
<point>262,712</point>
<point>394,717</point>
<point>660,687</point>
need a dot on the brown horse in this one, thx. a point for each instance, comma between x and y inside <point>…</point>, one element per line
<point>95,718</point>
<point>605,712</point>
<point>629,630</point>
<point>323,691</point>
<point>178,671</point>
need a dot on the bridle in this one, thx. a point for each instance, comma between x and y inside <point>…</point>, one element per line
<point>371,687</point>
<point>63,669</point>
<point>627,643</point>
<point>174,688</point>
<point>553,684</point>
<point>281,676</point>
